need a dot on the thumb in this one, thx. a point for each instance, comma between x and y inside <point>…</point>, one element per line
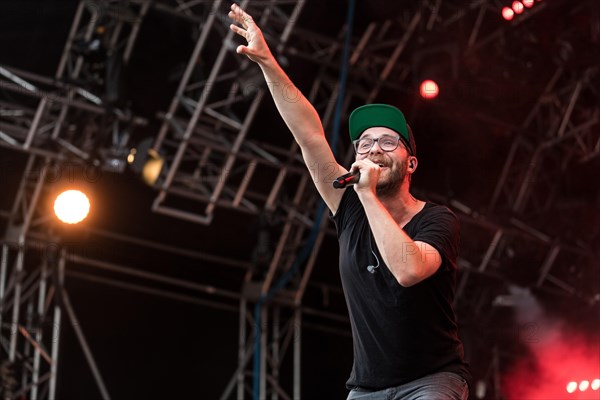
<point>241,49</point>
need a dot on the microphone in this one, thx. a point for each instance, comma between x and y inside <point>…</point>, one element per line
<point>345,180</point>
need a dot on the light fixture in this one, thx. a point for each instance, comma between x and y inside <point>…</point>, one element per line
<point>517,7</point>
<point>429,89</point>
<point>72,206</point>
<point>584,385</point>
<point>152,167</point>
<point>146,161</point>
<point>571,387</point>
<point>507,13</point>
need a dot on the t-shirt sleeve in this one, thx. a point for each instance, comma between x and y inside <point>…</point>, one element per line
<point>348,206</point>
<point>440,228</point>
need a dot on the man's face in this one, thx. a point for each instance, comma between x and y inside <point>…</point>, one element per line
<point>393,163</point>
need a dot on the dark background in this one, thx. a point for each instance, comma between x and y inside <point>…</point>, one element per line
<point>150,347</point>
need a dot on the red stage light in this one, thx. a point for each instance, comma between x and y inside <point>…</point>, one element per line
<point>528,3</point>
<point>507,13</point>
<point>571,387</point>
<point>584,385</point>
<point>517,7</point>
<point>429,89</point>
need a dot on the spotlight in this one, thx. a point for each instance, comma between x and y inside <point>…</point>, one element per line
<point>152,167</point>
<point>528,3</point>
<point>146,161</point>
<point>584,385</point>
<point>571,387</point>
<point>596,384</point>
<point>517,7</point>
<point>113,159</point>
<point>429,89</point>
<point>507,13</point>
<point>72,206</point>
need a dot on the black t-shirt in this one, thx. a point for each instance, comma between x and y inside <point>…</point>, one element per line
<point>399,333</point>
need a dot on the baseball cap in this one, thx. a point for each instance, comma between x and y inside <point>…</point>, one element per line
<point>381,115</point>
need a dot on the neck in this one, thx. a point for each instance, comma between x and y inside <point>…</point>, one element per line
<point>402,205</point>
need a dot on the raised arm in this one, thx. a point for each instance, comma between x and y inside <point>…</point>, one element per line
<point>297,112</point>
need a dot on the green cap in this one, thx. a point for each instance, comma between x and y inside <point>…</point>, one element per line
<point>381,115</point>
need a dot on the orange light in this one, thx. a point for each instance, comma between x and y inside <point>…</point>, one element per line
<point>517,7</point>
<point>507,13</point>
<point>72,206</point>
<point>429,89</point>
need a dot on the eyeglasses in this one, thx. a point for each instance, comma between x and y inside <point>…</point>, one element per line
<point>386,143</point>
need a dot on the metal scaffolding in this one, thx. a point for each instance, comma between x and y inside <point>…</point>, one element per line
<point>75,121</point>
<point>42,120</point>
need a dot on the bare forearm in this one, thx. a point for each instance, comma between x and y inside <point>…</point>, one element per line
<point>299,115</point>
<point>297,112</point>
<point>400,253</point>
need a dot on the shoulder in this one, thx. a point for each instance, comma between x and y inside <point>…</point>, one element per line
<point>432,207</point>
<point>433,212</point>
<point>350,206</point>
<point>440,228</point>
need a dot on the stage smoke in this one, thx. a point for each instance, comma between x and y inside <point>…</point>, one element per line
<point>558,355</point>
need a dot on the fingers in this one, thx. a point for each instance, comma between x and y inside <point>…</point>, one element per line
<point>238,30</point>
<point>240,16</point>
<point>364,164</point>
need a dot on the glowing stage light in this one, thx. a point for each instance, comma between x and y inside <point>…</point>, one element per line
<point>517,7</point>
<point>571,387</point>
<point>153,167</point>
<point>584,385</point>
<point>429,89</point>
<point>596,384</point>
<point>131,156</point>
<point>507,13</point>
<point>528,3</point>
<point>146,161</point>
<point>72,206</point>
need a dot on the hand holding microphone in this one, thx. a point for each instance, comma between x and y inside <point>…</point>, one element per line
<point>370,169</point>
<point>348,179</point>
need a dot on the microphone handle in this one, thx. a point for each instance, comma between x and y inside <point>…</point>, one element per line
<point>347,179</point>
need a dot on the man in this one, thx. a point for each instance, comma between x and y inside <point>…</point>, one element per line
<point>397,254</point>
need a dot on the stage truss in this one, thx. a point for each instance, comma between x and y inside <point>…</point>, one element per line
<point>212,163</point>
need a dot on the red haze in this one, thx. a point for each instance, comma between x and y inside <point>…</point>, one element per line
<point>558,356</point>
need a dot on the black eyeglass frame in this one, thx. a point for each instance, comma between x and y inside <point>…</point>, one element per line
<point>398,140</point>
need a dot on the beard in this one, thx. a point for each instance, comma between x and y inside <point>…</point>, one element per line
<point>390,186</point>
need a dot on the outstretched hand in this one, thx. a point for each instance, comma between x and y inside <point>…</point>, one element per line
<point>256,49</point>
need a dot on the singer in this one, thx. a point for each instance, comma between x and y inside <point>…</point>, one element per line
<point>397,253</point>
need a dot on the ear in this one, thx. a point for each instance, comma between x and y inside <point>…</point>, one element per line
<point>412,164</point>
